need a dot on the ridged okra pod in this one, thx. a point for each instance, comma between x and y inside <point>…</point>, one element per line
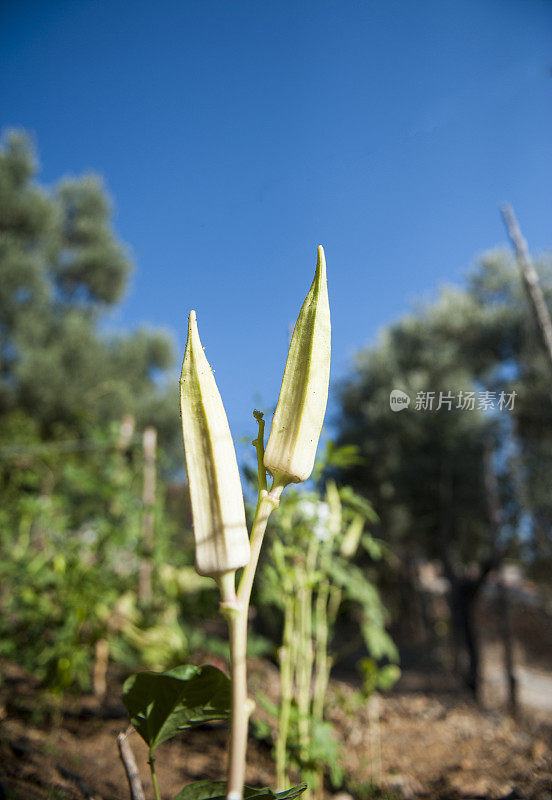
<point>299,415</point>
<point>220,532</point>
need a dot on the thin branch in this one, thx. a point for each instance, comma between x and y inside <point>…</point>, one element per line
<point>129,763</point>
<point>530,280</point>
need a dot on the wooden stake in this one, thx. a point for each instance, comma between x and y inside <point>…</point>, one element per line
<point>100,668</point>
<point>149,446</point>
<point>126,432</point>
<point>374,714</point>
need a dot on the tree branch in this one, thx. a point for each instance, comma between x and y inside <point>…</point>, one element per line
<point>129,763</point>
<point>530,280</point>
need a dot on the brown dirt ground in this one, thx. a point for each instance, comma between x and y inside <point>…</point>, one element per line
<point>421,741</point>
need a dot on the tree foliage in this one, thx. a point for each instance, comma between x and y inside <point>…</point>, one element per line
<point>425,470</point>
<point>71,516</point>
<point>465,487</point>
<point>63,269</point>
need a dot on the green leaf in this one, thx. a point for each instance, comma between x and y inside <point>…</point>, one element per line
<point>267,704</point>
<point>216,790</point>
<point>160,704</point>
<point>373,547</point>
<point>201,790</point>
<point>292,793</point>
<point>379,643</point>
<point>388,676</point>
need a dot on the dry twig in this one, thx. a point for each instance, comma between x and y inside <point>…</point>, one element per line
<point>129,763</point>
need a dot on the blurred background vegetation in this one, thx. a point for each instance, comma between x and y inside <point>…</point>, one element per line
<point>96,555</point>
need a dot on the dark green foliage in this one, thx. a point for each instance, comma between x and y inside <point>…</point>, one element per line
<point>71,511</point>
<point>91,265</point>
<point>162,704</point>
<point>66,525</point>
<point>62,269</point>
<point>70,549</point>
<point>371,791</point>
<point>507,350</point>
<point>310,575</point>
<point>412,457</point>
<point>465,487</point>
<point>295,526</point>
<point>216,790</point>
<point>425,470</point>
<point>374,677</point>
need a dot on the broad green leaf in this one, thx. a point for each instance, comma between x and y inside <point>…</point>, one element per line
<point>291,794</point>
<point>201,790</point>
<point>216,790</point>
<point>160,704</point>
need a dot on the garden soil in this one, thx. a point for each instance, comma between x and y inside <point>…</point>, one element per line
<point>424,740</point>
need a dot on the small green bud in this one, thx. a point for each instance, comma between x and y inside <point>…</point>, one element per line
<point>291,448</point>
<point>220,532</point>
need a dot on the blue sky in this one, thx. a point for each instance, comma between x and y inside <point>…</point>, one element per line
<point>236,136</point>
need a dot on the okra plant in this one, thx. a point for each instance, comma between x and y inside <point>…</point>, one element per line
<point>161,704</point>
<point>309,576</point>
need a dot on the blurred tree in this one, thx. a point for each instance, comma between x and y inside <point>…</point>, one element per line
<point>62,269</point>
<point>428,471</point>
<point>70,482</point>
<point>506,350</point>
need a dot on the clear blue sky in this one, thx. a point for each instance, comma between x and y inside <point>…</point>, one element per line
<point>235,136</point>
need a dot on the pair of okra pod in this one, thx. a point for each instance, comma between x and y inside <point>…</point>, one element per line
<point>220,531</point>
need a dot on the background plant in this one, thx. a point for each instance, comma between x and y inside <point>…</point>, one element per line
<point>161,704</point>
<point>312,578</point>
<point>72,507</point>
<point>70,545</point>
<point>464,488</point>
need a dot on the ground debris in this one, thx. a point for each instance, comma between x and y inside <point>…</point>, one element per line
<point>420,745</point>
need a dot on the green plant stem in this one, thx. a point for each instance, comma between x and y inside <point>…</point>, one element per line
<point>151,763</point>
<point>321,651</point>
<point>333,604</point>
<point>258,443</point>
<point>329,607</point>
<point>286,680</point>
<point>307,657</point>
<point>237,622</point>
<point>303,689</point>
<point>324,627</point>
<point>240,708</point>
